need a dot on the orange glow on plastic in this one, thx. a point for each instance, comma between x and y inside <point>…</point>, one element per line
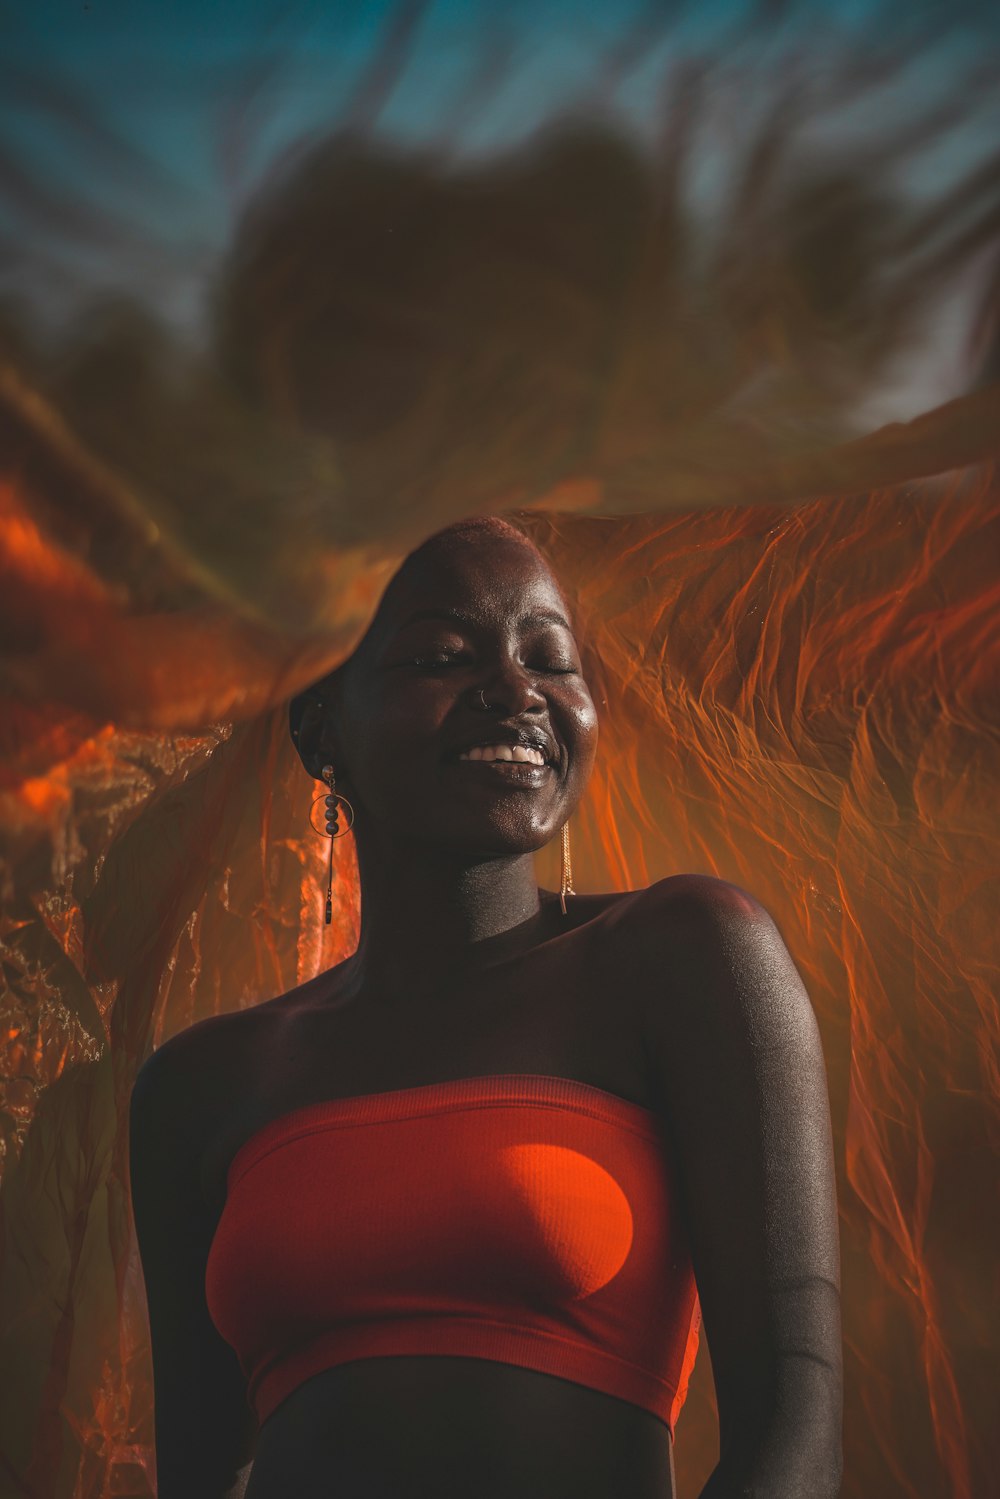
<point>801,701</point>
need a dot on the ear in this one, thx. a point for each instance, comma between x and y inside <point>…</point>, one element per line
<point>313,736</point>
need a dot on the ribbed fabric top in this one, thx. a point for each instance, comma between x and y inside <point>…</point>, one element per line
<point>521,1218</point>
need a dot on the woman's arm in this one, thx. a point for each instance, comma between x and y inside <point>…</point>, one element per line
<point>205,1430</point>
<point>736,1054</point>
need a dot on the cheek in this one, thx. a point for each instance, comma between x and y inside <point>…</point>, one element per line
<point>583,719</point>
<point>392,738</point>
<point>411,718</point>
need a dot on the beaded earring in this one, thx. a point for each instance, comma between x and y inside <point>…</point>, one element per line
<point>332,825</point>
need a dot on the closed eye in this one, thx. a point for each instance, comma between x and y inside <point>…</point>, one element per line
<point>442,661</point>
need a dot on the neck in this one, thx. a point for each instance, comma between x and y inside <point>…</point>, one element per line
<point>426,918</point>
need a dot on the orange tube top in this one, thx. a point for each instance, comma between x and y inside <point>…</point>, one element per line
<point>521,1218</point>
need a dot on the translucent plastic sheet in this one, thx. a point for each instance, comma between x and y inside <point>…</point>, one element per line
<point>789,624</point>
<point>801,701</point>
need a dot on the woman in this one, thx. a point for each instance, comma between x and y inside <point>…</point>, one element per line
<point>445,1199</point>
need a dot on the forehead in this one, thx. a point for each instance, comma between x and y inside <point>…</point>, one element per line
<point>502,584</point>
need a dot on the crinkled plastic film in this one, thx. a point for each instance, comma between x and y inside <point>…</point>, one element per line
<point>790,632</point>
<point>800,701</point>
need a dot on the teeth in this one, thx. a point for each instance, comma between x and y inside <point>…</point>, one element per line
<point>504,752</point>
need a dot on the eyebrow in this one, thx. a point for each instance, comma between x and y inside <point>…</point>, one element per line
<point>533,617</point>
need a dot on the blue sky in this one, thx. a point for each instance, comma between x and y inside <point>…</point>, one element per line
<point>132,132</point>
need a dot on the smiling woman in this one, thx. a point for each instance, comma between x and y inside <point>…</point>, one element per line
<point>446,1217</point>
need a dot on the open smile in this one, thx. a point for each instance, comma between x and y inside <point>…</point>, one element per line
<point>516,772</point>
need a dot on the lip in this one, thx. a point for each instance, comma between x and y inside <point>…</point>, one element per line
<point>512,735</point>
<point>514,772</point>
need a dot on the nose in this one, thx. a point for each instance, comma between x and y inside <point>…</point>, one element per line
<point>511,688</point>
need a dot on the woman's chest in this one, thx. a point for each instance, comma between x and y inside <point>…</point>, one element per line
<point>572,1018</point>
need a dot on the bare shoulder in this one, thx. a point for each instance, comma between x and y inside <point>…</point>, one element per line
<point>655,923</point>
<point>205,1068</point>
<point>692,896</point>
<point>192,1074</point>
<point>711,950</point>
<point>684,916</point>
<point>184,1057</point>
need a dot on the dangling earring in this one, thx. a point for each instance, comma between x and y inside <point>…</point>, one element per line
<point>566,883</point>
<point>332,822</point>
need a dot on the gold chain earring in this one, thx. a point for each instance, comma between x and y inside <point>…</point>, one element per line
<point>331,831</point>
<point>566,882</point>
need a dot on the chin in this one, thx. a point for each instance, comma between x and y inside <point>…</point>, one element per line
<point>490,838</point>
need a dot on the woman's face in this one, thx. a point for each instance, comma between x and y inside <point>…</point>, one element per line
<point>408,703</point>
